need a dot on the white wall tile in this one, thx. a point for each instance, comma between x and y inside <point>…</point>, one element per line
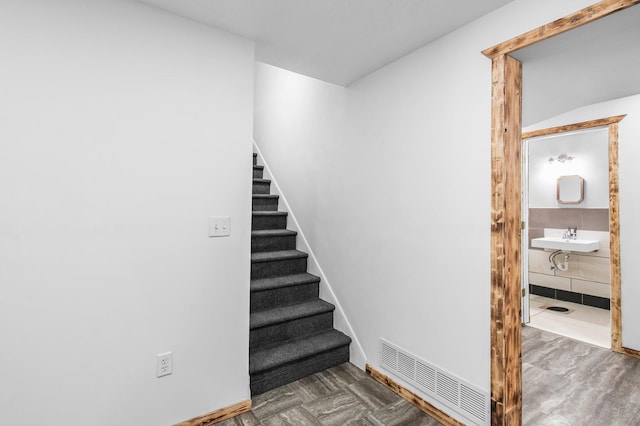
<point>587,268</point>
<point>550,281</point>
<point>539,261</point>
<point>591,287</point>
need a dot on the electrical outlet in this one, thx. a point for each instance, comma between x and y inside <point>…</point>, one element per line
<point>164,364</point>
<point>219,226</point>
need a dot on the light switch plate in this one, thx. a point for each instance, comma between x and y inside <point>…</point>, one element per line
<point>219,226</point>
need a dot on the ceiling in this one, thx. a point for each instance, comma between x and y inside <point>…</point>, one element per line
<point>338,41</point>
<point>594,63</point>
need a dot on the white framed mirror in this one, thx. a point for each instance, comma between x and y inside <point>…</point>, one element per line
<point>570,189</point>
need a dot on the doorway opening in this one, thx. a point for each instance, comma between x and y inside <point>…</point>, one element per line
<point>506,174</point>
<point>578,297</point>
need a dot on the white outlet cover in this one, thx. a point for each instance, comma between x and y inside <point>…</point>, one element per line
<point>164,364</point>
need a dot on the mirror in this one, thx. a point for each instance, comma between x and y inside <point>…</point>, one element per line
<point>570,189</point>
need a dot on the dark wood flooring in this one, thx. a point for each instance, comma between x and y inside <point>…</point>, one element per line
<point>341,396</point>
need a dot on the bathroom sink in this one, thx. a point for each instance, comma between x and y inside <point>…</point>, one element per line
<point>566,244</point>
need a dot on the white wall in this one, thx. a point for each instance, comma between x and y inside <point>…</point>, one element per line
<point>122,129</point>
<point>291,108</point>
<point>299,125</point>
<point>399,205</point>
<point>591,161</point>
<point>629,157</point>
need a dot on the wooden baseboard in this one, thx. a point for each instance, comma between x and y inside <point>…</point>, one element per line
<point>631,352</point>
<point>434,412</point>
<point>218,415</point>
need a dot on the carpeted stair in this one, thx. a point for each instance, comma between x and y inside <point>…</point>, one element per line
<point>291,328</point>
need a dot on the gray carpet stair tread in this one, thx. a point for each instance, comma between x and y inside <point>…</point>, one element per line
<point>269,256</point>
<point>291,329</point>
<point>285,281</point>
<point>294,350</point>
<point>289,313</point>
<point>268,213</point>
<point>273,233</point>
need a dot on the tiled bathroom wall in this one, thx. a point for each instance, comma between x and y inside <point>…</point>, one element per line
<point>587,280</point>
<point>585,219</point>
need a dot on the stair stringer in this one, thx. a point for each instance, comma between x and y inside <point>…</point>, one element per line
<point>341,321</point>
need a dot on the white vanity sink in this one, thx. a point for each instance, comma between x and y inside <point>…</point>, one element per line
<point>566,244</point>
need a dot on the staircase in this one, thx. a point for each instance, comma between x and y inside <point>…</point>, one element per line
<point>291,328</point>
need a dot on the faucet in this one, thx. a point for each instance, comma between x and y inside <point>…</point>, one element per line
<point>570,233</point>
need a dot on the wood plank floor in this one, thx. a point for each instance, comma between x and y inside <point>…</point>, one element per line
<point>343,395</point>
<point>568,382</point>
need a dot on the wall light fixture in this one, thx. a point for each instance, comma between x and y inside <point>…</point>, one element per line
<point>562,158</point>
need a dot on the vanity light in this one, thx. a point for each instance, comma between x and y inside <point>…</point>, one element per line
<point>562,158</point>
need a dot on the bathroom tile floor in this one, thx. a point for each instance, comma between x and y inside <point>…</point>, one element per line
<point>584,323</point>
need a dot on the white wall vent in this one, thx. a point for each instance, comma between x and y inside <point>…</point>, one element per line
<point>388,356</point>
<point>448,389</point>
<point>473,402</point>
<point>406,366</point>
<point>426,376</point>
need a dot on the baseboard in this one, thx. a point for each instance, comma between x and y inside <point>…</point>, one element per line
<point>218,415</point>
<point>631,352</point>
<point>434,412</point>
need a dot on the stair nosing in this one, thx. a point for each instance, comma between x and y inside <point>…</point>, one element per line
<point>338,339</point>
<point>264,233</point>
<point>275,255</point>
<point>283,281</point>
<point>261,180</point>
<point>269,213</point>
<point>265,196</point>
<point>283,314</point>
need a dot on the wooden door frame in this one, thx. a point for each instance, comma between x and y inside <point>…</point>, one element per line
<point>611,124</point>
<point>506,176</point>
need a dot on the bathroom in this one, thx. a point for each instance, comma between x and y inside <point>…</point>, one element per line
<point>566,196</point>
